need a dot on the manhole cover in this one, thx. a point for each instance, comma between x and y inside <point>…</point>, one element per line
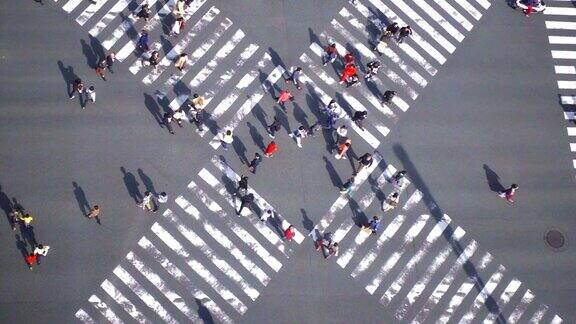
<point>555,239</point>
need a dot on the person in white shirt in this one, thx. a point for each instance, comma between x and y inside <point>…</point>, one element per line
<point>298,135</point>
<point>163,198</point>
<point>226,138</point>
<point>296,77</point>
<point>41,250</point>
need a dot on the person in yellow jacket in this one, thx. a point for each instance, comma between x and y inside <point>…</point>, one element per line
<point>26,219</point>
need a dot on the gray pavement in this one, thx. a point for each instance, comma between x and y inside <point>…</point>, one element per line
<point>487,118</point>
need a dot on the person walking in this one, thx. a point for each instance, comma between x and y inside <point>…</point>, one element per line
<point>348,59</point>
<point>349,71</point>
<point>509,193</point>
<point>110,59</point>
<point>26,219</point>
<point>373,225</point>
<point>283,97</point>
<point>403,33</point>
<point>181,62</point>
<point>274,128</point>
<point>144,12</point>
<point>390,32</point>
<point>254,163</point>
<point>399,180</point>
<point>245,201</point>
<point>142,43</point>
<point>373,67</point>
<point>179,10</point>
<point>77,86</point>
<point>343,148</point>
<point>197,102</point>
<point>41,250</point>
<point>391,202</point>
<point>330,55</point>
<point>162,197</point>
<point>298,135</point>
<point>289,233</point>
<point>341,133</point>
<point>267,212</point>
<point>296,78</point>
<point>196,106</point>
<point>167,121</point>
<point>31,259</point>
<point>271,149</point>
<point>90,96</point>
<point>359,117</point>
<point>347,186</point>
<point>365,161</point>
<point>388,97</point>
<point>178,23</point>
<point>226,138</point>
<point>178,116</point>
<point>101,67</point>
<point>148,202</point>
<point>94,213</point>
<point>154,59</point>
<point>242,186</point>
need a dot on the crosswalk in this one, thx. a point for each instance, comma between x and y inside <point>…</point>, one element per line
<point>198,254</point>
<point>237,68</point>
<point>421,266</point>
<point>561,27</point>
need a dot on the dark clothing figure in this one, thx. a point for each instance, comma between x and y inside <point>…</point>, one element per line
<point>78,86</point>
<point>254,163</point>
<point>359,117</point>
<point>365,161</point>
<point>143,41</point>
<point>167,121</point>
<point>101,68</point>
<point>404,32</point>
<point>388,96</point>
<point>144,12</point>
<point>242,186</point>
<point>245,201</point>
<point>274,127</point>
<point>392,29</point>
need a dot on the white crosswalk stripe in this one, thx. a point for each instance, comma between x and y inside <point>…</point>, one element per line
<point>537,317</point>
<point>521,307</point>
<point>90,11</point>
<point>110,15</point>
<point>505,297</point>
<point>84,317</point>
<point>104,309</point>
<point>126,304</point>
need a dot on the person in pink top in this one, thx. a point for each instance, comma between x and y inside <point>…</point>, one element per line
<point>509,193</point>
<point>289,233</point>
<point>284,96</point>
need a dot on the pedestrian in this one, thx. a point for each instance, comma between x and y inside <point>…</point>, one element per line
<point>289,233</point>
<point>359,117</point>
<point>148,202</point>
<point>110,59</point>
<point>181,62</point>
<point>175,31</point>
<point>197,101</point>
<point>298,135</point>
<point>348,59</point>
<point>254,163</point>
<point>343,148</point>
<point>245,201</point>
<point>167,121</point>
<point>178,116</point>
<point>348,71</point>
<point>314,128</point>
<point>90,96</point>
<point>509,193</point>
<point>391,202</point>
<point>341,132</point>
<point>144,12</point>
<point>365,161</point>
<point>94,213</point>
<point>143,41</point>
<point>392,29</point>
<point>101,68</point>
<point>179,9</point>
<point>226,138</point>
<point>31,259</point>
<point>403,33</point>
<point>274,127</point>
<point>399,180</point>
<point>197,105</point>
<point>347,186</point>
<point>41,250</point>
<point>296,78</point>
<point>242,186</point>
<point>267,212</point>
<point>331,54</point>
<point>373,225</point>
<point>271,149</point>
<point>162,198</point>
<point>530,6</point>
<point>373,67</point>
<point>331,108</point>
<point>77,86</point>
<point>353,80</point>
<point>284,96</point>
<point>388,96</point>
<point>26,219</point>
<point>154,59</point>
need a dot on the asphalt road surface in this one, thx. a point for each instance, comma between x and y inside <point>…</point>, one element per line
<point>484,99</point>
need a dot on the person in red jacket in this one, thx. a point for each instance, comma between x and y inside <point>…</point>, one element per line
<point>31,259</point>
<point>284,96</point>
<point>289,233</point>
<point>349,71</point>
<point>271,149</point>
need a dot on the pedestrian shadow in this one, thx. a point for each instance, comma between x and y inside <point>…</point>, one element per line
<point>380,16</point>
<point>91,56</point>
<point>437,213</point>
<point>240,149</point>
<point>272,88</point>
<point>256,137</point>
<point>300,116</point>
<point>204,313</point>
<point>373,88</point>
<point>261,115</point>
<point>28,235</point>
<point>358,216</point>
<point>130,32</point>
<point>314,103</point>
<point>181,89</point>
<point>306,221</point>
<point>334,177</point>
<point>68,75</point>
<point>153,108</point>
<point>6,206</point>
<point>131,185</point>
<point>278,113</point>
<point>21,246</point>
<point>493,179</point>
<point>167,24</point>
<point>147,182</point>
<point>81,198</point>
<point>276,59</point>
<point>166,45</point>
<point>97,47</point>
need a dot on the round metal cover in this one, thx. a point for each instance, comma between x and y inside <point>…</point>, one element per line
<point>555,239</point>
